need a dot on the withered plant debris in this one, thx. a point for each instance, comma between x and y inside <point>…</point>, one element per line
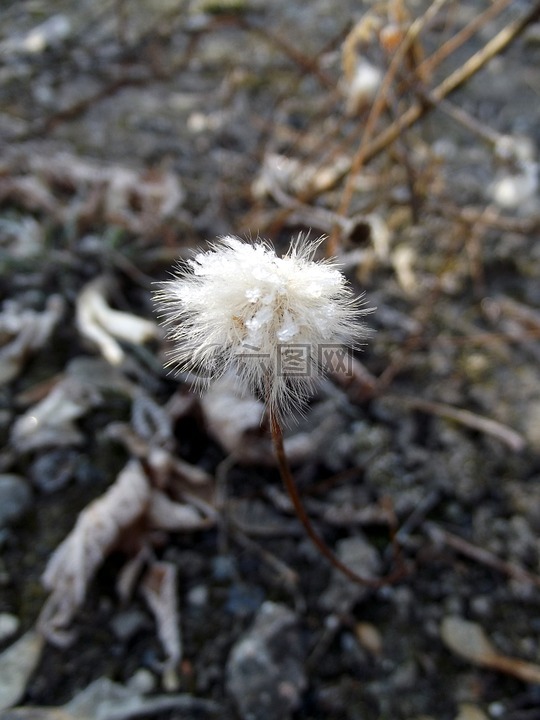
<point>136,200</point>
<point>469,641</point>
<point>103,325</point>
<point>23,332</point>
<point>104,699</point>
<point>131,134</point>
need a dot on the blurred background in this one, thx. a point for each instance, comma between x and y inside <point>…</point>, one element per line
<point>150,560</point>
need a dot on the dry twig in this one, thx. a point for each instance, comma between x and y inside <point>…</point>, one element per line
<point>509,437</point>
<point>378,106</point>
<point>480,555</point>
<point>369,148</point>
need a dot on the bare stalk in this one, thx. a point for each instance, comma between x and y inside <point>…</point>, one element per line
<point>292,490</point>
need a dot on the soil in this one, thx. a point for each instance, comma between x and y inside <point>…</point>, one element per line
<point>134,132</point>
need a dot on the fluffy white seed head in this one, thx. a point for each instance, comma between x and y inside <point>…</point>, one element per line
<point>274,321</point>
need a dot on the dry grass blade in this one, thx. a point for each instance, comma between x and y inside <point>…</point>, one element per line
<point>480,555</point>
<point>511,438</point>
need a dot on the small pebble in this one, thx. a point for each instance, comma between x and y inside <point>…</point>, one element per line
<point>265,669</point>
<point>9,624</point>
<point>15,498</point>
<point>198,596</point>
<point>142,682</point>
<point>497,709</point>
<point>223,568</point>
<point>481,605</point>
<point>244,599</point>
<point>369,637</point>
<point>126,625</point>
<point>467,711</point>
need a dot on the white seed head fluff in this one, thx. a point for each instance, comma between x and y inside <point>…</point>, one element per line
<point>272,320</point>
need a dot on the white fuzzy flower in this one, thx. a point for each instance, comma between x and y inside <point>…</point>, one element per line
<point>276,321</point>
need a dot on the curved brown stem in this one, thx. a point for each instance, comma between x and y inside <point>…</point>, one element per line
<point>290,485</point>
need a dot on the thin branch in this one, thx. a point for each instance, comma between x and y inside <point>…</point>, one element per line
<point>461,37</point>
<point>492,48</point>
<point>304,62</point>
<point>376,110</point>
<point>462,117</point>
<point>371,148</point>
<point>287,575</point>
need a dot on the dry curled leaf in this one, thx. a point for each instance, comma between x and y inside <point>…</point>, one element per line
<point>24,331</point>
<point>96,532</point>
<point>104,326</point>
<point>159,590</point>
<point>281,174</point>
<point>107,700</point>
<point>138,200</point>
<point>234,419</point>
<point>30,192</point>
<point>165,514</point>
<point>51,421</point>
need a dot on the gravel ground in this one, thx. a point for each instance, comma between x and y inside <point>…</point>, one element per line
<point>134,132</point>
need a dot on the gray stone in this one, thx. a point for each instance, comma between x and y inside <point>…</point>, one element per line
<point>9,625</point>
<point>125,625</point>
<point>342,594</point>
<point>265,670</point>
<point>15,498</point>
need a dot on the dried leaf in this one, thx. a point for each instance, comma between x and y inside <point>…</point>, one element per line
<point>281,174</point>
<point>185,483</point>
<point>51,421</point>
<point>107,700</point>
<point>29,191</point>
<point>191,473</point>
<point>469,641</point>
<point>98,322</point>
<point>165,514</point>
<point>96,532</point>
<point>23,331</point>
<point>130,573</point>
<point>137,200</point>
<point>234,419</point>
<point>159,590</point>
<point>150,420</point>
<point>17,663</point>
<point>466,639</point>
